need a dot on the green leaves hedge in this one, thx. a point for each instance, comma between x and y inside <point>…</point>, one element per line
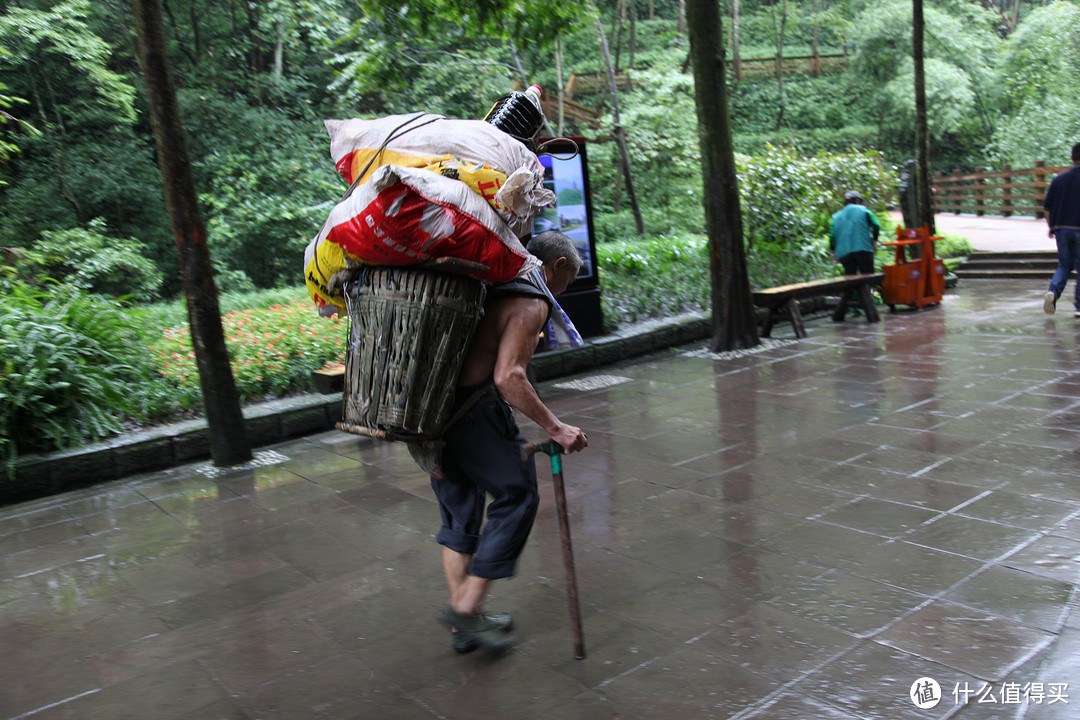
<point>71,369</point>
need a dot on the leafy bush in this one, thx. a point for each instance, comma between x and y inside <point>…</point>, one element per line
<point>846,139</point>
<point>653,277</point>
<point>70,370</point>
<point>89,260</point>
<point>952,246</point>
<point>788,201</point>
<point>771,264</point>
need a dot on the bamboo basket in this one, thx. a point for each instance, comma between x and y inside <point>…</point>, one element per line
<point>409,332</point>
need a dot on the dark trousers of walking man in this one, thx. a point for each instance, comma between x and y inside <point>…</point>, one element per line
<point>1062,205</point>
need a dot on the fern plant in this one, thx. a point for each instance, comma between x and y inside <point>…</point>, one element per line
<point>68,365</point>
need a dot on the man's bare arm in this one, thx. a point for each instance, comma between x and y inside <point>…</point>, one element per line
<point>517,341</point>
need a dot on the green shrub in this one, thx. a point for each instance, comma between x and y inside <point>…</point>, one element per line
<point>653,277</point>
<point>809,141</point>
<point>70,370</point>
<point>772,264</point>
<point>788,198</point>
<point>89,260</point>
<point>952,246</point>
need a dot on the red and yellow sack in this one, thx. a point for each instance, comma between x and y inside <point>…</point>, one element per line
<point>405,216</point>
<point>472,151</point>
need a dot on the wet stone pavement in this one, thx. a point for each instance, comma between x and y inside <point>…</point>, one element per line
<point>801,532</point>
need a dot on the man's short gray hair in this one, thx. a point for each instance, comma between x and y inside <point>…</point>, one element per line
<point>551,245</point>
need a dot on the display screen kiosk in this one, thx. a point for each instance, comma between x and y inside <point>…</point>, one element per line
<point>566,172</point>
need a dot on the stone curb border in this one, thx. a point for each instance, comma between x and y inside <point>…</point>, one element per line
<point>272,422</point>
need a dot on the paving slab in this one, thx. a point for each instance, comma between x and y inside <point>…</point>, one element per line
<point>811,530</point>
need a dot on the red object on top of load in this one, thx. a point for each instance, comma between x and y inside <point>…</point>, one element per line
<point>402,227</point>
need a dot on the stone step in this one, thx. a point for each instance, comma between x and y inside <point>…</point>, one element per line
<point>963,272</point>
<point>1050,265</point>
<point>1029,264</point>
<point>1015,255</point>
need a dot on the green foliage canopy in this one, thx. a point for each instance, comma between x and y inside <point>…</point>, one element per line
<point>1040,88</point>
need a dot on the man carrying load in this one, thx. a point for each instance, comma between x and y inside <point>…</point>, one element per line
<point>482,454</point>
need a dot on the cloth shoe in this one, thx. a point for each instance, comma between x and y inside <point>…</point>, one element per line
<point>1049,303</point>
<point>490,630</point>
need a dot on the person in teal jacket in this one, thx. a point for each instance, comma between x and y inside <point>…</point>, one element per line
<point>853,235</point>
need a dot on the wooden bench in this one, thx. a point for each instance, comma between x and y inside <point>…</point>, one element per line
<point>773,299</point>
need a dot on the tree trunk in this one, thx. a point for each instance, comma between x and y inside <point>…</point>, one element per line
<point>620,134</point>
<point>279,50</point>
<point>736,57</point>
<point>633,33</point>
<point>680,24</point>
<point>196,32</point>
<point>780,61</point>
<point>620,21</point>
<point>922,132</point>
<point>56,141</point>
<point>228,437</point>
<point>562,89</point>
<point>652,9</point>
<point>616,203</point>
<point>256,65</point>
<point>733,318</point>
<point>814,44</point>
<point>525,82</point>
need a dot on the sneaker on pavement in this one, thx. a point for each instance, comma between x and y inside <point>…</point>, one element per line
<point>1049,303</point>
<point>470,632</point>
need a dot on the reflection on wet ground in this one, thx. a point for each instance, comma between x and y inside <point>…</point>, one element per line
<point>803,532</point>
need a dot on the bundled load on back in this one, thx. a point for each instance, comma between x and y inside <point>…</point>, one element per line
<point>424,187</point>
<point>435,209</point>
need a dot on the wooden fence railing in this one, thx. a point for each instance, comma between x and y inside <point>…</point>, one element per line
<point>592,82</point>
<point>795,65</point>
<point>1003,192</point>
<point>573,112</point>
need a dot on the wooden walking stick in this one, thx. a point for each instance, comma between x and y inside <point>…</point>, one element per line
<point>555,451</point>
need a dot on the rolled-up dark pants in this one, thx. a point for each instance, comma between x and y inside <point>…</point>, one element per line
<point>482,457</point>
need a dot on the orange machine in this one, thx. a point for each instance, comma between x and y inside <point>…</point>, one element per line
<point>919,282</point>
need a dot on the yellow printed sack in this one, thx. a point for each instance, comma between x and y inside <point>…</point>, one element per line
<point>481,179</point>
<point>322,261</point>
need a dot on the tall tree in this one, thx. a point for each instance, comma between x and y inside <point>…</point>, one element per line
<point>780,30</point>
<point>620,133</point>
<point>736,56</point>
<point>733,319</point>
<point>562,87</point>
<point>925,207</point>
<point>620,23</point>
<point>228,437</point>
